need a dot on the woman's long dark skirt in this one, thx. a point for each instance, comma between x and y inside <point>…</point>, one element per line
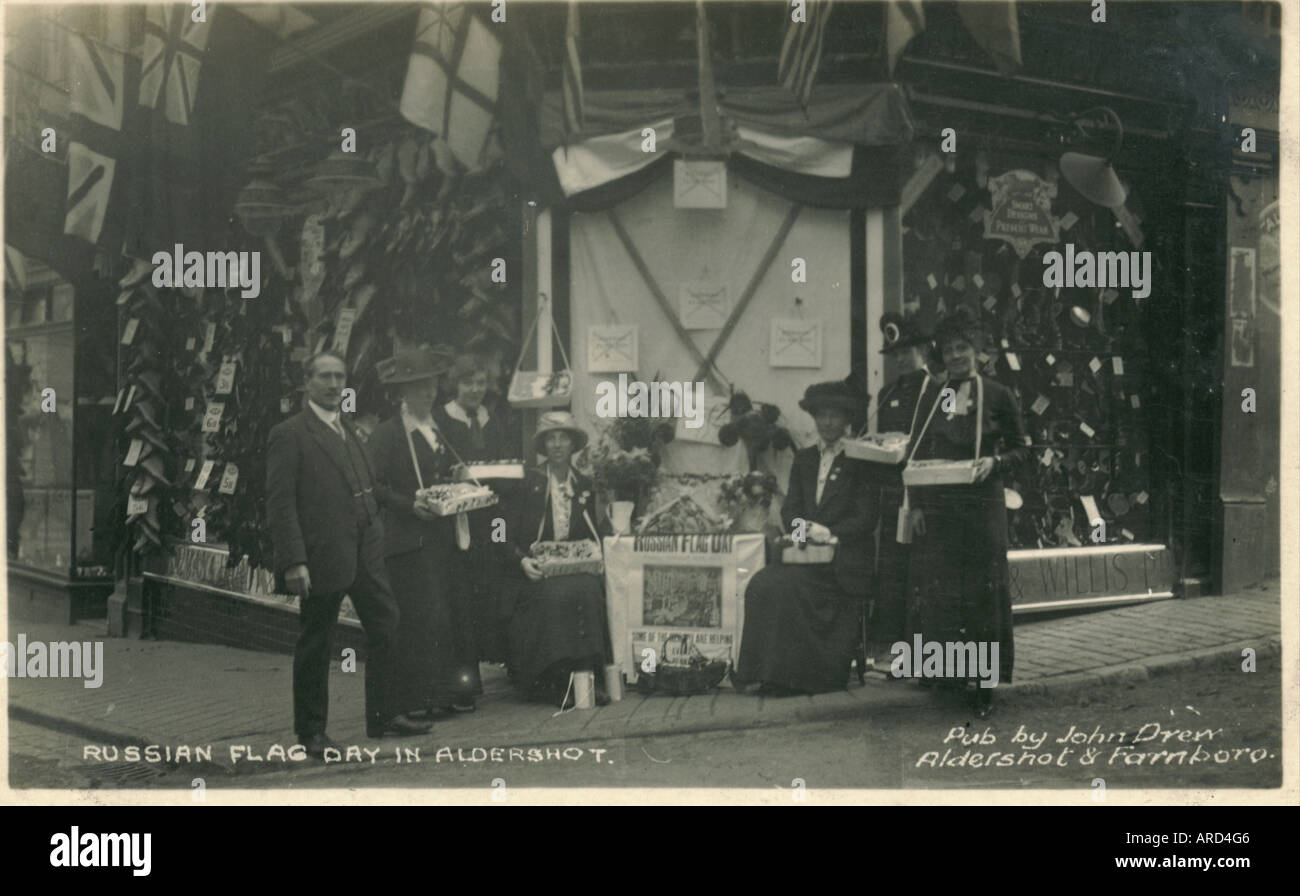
<point>958,584</point>
<point>800,629</point>
<point>436,660</point>
<point>557,625</point>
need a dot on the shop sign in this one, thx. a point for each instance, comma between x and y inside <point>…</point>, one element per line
<point>1022,211</point>
<point>1060,578</point>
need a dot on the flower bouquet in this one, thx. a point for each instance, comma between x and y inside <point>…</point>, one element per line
<point>746,499</point>
<point>625,458</point>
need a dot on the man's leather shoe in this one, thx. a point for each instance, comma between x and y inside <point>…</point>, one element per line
<point>317,744</point>
<point>399,726</point>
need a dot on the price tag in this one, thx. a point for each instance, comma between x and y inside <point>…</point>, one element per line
<point>136,505</point>
<point>124,295</point>
<point>1040,404</point>
<point>1117,364</point>
<point>977,280</point>
<point>990,303</point>
<point>343,330</point>
<point>190,343</point>
<point>1012,361</point>
<point>133,452</point>
<point>130,397</point>
<point>1090,507</point>
<point>1069,220</point>
<point>226,377</point>
<point>1127,534</point>
<point>189,403</point>
<point>128,332</point>
<point>189,464</point>
<point>929,278</point>
<point>204,472</point>
<point>209,336</point>
<point>956,192</point>
<point>117,405</point>
<point>286,405</point>
<point>229,477</point>
<point>1141,497</point>
<point>1094,365</point>
<point>286,335</point>
<point>1066,379</point>
<point>1087,430</point>
<point>212,416</point>
<point>1050,359</point>
<point>1047,457</point>
<point>1135,401</point>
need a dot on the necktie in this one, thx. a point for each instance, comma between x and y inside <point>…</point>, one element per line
<point>475,434</point>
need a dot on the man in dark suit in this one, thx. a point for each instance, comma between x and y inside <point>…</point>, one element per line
<point>329,542</point>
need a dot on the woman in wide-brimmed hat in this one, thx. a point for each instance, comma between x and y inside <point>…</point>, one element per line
<point>556,624</point>
<point>958,585</point>
<point>438,665</point>
<point>802,622</point>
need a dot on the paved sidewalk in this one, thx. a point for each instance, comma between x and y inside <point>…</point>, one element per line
<point>171,693</point>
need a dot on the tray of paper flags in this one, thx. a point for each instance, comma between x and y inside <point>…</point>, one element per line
<point>939,472</point>
<point>802,552</point>
<point>567,558</point>
<point>449,499</point>
<point>510,468</point>
<point>884,448</point>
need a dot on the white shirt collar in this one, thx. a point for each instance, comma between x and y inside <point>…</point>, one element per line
<point>456,412</point>
<point>329,418</point>
<point>835,447</point>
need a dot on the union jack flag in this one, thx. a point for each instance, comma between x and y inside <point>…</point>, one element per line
<point>174,47</point>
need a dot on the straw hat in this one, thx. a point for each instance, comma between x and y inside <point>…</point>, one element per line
<point>558,421</point>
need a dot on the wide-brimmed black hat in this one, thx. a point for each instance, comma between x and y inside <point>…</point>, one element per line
<point>412,364</point>
<point>836,394</point>
<point>963,324</point>
<point>901,332</point>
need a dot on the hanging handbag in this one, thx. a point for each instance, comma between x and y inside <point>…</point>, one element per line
<point>683,670</point>
<point>533,388</point>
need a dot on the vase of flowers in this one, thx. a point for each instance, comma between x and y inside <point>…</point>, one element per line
<point>625,457</point>
<point>747,500</point>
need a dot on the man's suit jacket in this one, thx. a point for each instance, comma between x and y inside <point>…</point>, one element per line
<point>310,507</point>
<point>846,508</point>
<point>395,485</point>
<point>531,511</point>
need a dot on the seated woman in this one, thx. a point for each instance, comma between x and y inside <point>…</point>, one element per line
<point>802,622</point>
<point>474,434</point>
<point>556,625</point>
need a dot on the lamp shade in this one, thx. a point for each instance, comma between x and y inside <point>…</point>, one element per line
<point>1094,178</point>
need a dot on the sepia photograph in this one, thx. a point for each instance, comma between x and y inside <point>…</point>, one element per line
<point>713,401</point>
